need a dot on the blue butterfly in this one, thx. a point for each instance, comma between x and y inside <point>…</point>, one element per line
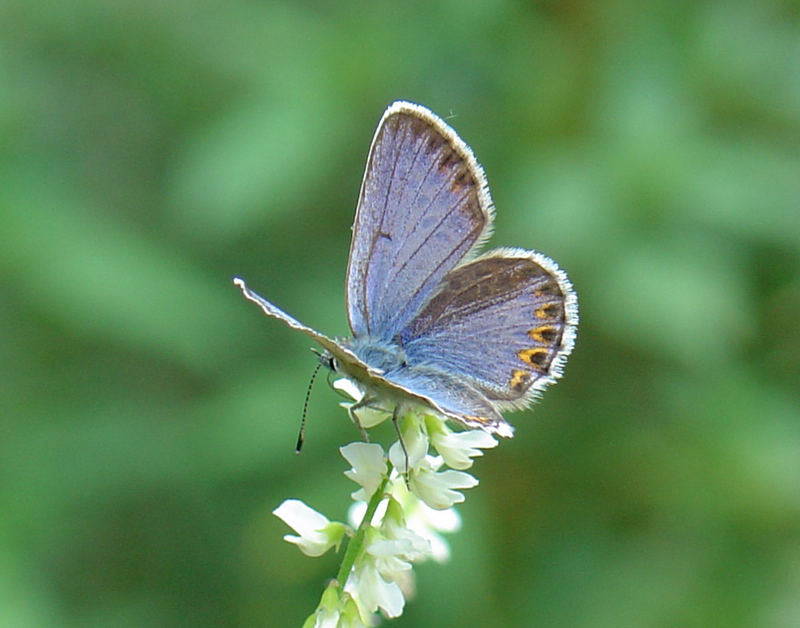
<point>434,325</point>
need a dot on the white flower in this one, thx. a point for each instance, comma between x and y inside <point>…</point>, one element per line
<point>327,613</point>
<point>335,611</point>
<point>372,592</point>
<point>357,510</point>
<point>317,534</point>
<point>417,518</point>
<point>349,388</point>
<point>427,523</point>
<point>324,618</point>
<point>410,504</point>
<point>369,467</point>
<point>405,541</point>
<point>415,440</point>
<point>351,616</point>
<point>390,557</point>
<point>368,417</point>
<point>458,448</point>
<point>436,488</point>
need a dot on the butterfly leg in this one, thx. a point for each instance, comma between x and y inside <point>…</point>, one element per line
<point>351,411</point>
<point>395,422</point>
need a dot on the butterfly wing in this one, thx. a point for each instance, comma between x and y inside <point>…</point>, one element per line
<point>451,397</point>
<point>424,205</point>
<point>329,344</point>
<point>424,387</point>
<point>504,323</point>
<point>346,360</point>
<point>430,389</point>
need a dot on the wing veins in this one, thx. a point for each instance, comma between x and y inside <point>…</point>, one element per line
<point>377,234</point>
<point>432,231</point>
<point>496,299</point>
<point>438,266</point>
<point>484,331</point>
<point>408,234</point>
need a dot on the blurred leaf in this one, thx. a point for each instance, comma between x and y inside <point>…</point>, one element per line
<point>79,267</point>
<point>256,161</point>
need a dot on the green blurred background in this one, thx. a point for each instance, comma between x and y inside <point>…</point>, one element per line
<point>150,151</point>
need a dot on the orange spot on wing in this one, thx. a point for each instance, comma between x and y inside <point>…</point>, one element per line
<point>548,311</point>
<point>519,380</point>
<point>545,334</point>
<point>479,420</point>
<point>536,357</point>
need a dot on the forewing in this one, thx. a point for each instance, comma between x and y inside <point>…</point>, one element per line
<point>424,205</point>
<point>505,323</point>
<point>334,348</point>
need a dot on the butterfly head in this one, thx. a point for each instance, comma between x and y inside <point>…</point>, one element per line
<point>326,359</point>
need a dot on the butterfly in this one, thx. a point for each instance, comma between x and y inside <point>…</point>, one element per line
<point>435,325</point>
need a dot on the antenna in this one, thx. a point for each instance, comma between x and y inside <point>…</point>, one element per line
<point>301,435</point>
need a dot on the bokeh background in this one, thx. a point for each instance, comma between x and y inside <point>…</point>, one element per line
<point>150,151</point>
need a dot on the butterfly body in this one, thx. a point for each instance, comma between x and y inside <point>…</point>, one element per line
<point>433,324</point>
<point>384,356</point>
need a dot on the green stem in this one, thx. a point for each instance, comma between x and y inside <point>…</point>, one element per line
<point>355,544</point>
